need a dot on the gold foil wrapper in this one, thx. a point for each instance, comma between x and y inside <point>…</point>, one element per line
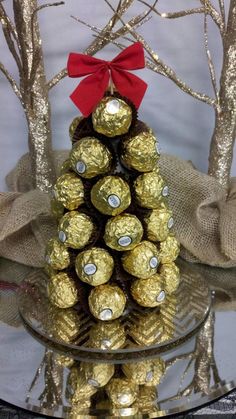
<point>158,223</point>
<point>107,302</point>
<point>57,209</point>
<point>94,266</point>
<point>62,291</point>
<point>49,270</point>
<point>140,152</point>
<point>112,117</point>
<point>111,195</point>
<point>97,375</point>
<point>142,261</point>
<point>148,372</point>
<point>89,157</point>
<point>107,335</point>
<point>75,229</point>
<point>150,188</point>
<point>122,392</point>
<point>149,292</point>
<point>74,124</point>
<point>69,190</point>
<point>57,255</point>
<point>171,276</point>
<point>148,328</point>
<point>169,249</point>
<point>63,324</point>
<point>147,399</point>
<point>123,232</point>
<point>64,361</point>
<point>78,390</point>
<point>65,167</point>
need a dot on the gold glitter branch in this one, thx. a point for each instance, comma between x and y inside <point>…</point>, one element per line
<point>11,81</point>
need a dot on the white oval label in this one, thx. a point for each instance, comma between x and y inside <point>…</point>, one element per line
<point>170,222</point>
<point>80,166</point>
<point>165,191</point>
<point>113,106</point>
<point>124,241</point>
<point>113,201</point>
<point>90,269</point>
<point>153,262</point>
<point>161,296</point>
<point>106,314</point>
<point>62,236</point>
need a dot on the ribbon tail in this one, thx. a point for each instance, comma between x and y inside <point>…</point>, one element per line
<point>90,91</point>
<point>129,85</point>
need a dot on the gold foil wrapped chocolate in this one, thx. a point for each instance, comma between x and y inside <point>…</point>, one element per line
<point>150,188</point>
<point>171,276</point>
<point>112,117</point>
<point>122,392</point>
<point>74,124</point>
<point>57,255</point>
<point>147,399</point>
<point>148,372</point>
<point>57,209</point>
<point>97,375</point>
<point>63,324</point>
<point>142,261</point>
<point>75,229</point>
<point>148,328</point>
<point>49,270</point>
<point>107,335</point>
<point>158,223</point>
<point>140,152</point>
<point>62,291</point>
<point>65,167</point>
<point>78,389</point>
<point>94,266</point>
<point>149,292</point>
<point>63,360</point>
<point>111,195</point>
<point>107,302</point>
<point>169,249</point>
<point>89,157</point>
<point>69,190</point>
<point>123,232</point>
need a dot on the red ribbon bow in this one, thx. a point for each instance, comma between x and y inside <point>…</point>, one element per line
<point>92,88</point>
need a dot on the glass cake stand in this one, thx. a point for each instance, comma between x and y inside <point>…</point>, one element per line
<point>199,354</point>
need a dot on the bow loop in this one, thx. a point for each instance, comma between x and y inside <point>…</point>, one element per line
<point>91,89</point>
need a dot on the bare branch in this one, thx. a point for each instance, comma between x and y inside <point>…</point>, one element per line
<point>168,72</point>
<point>58,3</point>
<point>9,31</point>
<point>209,59</point>
<point>11,81</point>
<point>57,78</point>
<point>174,15</point>
<point>222,10</point>
<point>215,15</point>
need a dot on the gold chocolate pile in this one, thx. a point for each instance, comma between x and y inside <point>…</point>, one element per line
<point>113,222</point>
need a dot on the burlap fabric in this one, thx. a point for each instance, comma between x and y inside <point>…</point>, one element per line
<point>204,212</point>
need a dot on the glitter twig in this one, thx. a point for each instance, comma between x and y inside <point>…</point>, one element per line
<point>11,80</point>
<point>209,60</point>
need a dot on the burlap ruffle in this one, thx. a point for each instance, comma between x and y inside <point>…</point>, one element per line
<point>204,212</point>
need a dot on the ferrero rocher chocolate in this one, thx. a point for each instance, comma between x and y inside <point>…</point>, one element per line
<point>107,335</point>
<point>149,292</point>
<point>107,302</point>
<point>169,249</point>
<point>140,152</point>
<point>74,124</point>
<point>62,291</point>
<point>94,266</point>
<point>65,167</point>
<point>112,117</point>
<point>147,399</point>
<point>148,328</point>
<point>63,324</point>
<point>49,270</point>
<point>63,360</point>
<point>150,188</point>
<point>75,229</point>
<point>148,372</point>
<point>57,209</point>
<point>69,190</point>
<point>97,375</point>
<point>158,223</point>
<point>171,276</point>
<point>142,261</point>
<point>111,195</point>
<point>123,232</point>
<point>57,254</point>
<point>89,157</point>
<point>122,392</point>
<point>78,389</point>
